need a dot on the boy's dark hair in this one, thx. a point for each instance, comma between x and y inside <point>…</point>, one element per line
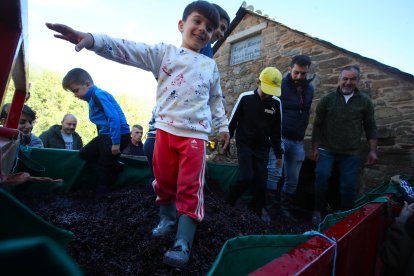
<point>76,75</point>
<point>29,112</point>
<point>138,127</point>
<point>205,9</point>
<point>222,13</point>
<point>301,60</point>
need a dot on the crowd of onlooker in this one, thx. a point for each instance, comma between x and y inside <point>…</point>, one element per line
<point>64,135</point>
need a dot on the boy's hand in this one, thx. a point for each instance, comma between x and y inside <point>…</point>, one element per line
<point>82,40</point>
<point>225,140</point>
<point>115,149</point>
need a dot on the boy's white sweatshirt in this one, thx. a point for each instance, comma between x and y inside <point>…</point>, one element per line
<point>189,96</point>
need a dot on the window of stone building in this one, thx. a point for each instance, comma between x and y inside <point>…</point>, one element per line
<point>246,50</point>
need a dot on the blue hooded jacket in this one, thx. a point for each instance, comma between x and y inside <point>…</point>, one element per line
<point>111,120</point>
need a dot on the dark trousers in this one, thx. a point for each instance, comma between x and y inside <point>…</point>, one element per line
<point>253,175</point>
<point>98,155</point>
<point>149,150</point>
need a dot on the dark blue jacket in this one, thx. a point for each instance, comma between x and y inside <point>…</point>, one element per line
<point>112,120</point>
<point>295,109</point>
<point>207,50</point>
<point>131,149</point>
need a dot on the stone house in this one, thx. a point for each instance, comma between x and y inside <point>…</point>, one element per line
<point>255,41</point>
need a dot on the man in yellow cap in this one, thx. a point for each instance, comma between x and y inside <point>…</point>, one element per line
<point>257,120</point>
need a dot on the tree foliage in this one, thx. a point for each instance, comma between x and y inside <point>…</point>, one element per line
<point>51,102</point>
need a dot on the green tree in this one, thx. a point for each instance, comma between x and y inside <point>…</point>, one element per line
<point>51,102</point>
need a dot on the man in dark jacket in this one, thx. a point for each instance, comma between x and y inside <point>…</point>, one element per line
<point>296,98</point>
<point>256,118</point>
<point>135,146</point>
<point>63,136</point>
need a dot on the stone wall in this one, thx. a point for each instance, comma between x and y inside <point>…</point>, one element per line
<point>391,92</point>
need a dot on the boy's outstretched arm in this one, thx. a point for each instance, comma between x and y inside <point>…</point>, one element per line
<point>225,140</point>
<point>80,39</point>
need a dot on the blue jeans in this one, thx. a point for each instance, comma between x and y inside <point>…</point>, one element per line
<point>273,174</point>
<point>292,163</point>
<point>348,169</point>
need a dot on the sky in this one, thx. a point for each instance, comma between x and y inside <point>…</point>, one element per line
<point>377,29</point>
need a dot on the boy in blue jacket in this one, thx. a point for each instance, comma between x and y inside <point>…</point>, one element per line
<point>103,151</point>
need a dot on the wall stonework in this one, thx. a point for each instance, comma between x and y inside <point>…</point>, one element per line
<point>392,93</point>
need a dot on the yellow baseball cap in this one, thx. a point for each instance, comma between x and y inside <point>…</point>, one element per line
<point>271,81</point>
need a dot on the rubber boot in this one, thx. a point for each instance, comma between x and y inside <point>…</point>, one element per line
<point>168,217</point>
<point>285,203</point>
<point>179,254</point>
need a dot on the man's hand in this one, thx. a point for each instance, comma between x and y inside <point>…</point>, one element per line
<point>279,163</point>
<point>116,149</point>
<point>224,140</point>
<point>81,40</point>
<point>25,138</point>
<point>406,212</point>
<point>315,154</point>
<point>315,151</point>
<point>44,179</point>
<point>22,177</point>
<point>372,157</point>
<point>372,154</point>
<point>396,179</point>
